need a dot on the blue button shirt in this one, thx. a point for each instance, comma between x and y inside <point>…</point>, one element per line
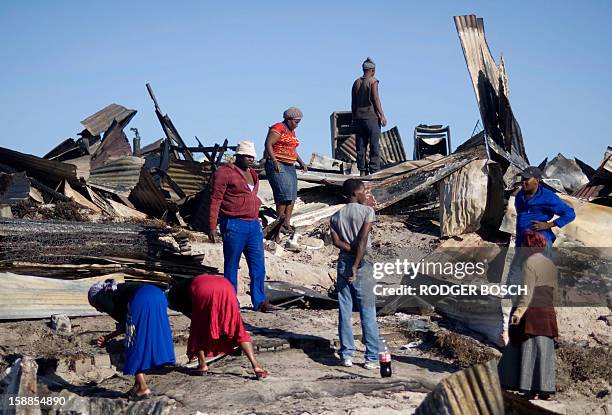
<point>541,207</point>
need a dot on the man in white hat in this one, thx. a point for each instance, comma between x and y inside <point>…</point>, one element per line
<point>235,206</point>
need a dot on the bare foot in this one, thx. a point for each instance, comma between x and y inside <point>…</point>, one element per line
<point>199,371</point>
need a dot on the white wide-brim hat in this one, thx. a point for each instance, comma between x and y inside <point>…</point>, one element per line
<point>246,148</point>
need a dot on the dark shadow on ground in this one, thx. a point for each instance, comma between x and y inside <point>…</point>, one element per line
<point>318,348</point>
<point>429,364</point>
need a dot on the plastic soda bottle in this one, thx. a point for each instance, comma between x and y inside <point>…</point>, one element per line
<point>384,358</point>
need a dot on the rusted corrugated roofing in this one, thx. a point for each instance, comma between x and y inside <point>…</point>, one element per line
<point>100,121</point>
<point>14,188</point>
<point>600,184</point>
<point>118,176</point>
<point>190,176</point>
<point>114,145</point>
<point>48,171</point>
<point>147,197</point>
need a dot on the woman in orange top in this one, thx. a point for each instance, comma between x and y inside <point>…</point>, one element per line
<point>281,156</point>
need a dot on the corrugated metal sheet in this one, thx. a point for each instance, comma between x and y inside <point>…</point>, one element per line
<point>154,147</point>
<point>147,197</point>
<point>589,192</point>
<point>119,176</point>
<point>100,121</point>
<point>600,184</point>
<point>114,145</point>
<point>391,147</point>
<point>476,51</point>
<point>14,188</point>
<point>338,179</point>
<point>47,171</point>
<point>567,172</point>
<point>190,176</point>
<point>394,189</point>
<point>472,391</point>
<point>24,296</point>
<point>490,83</point>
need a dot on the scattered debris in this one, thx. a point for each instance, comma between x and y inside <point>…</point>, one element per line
<point>567,171</point>
<point>20,383</point>
<point>96,207</point>
<point>61,323</point>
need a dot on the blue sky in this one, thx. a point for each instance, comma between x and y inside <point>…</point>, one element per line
<point>229,69</point>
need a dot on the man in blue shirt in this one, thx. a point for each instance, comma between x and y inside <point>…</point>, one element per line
<point>536,205</point>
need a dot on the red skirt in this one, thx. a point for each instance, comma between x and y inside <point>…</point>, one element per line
<point>216,323</point>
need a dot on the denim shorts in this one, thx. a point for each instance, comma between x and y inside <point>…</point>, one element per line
<point>283,183</point>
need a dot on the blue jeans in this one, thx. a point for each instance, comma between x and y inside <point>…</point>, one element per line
<point>244,236</point>
<point>362,290</point>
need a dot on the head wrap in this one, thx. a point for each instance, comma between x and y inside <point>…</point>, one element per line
<point>292,112</point>
<point>535,241</point>
<point>368,64</point>
<point>101,286</point>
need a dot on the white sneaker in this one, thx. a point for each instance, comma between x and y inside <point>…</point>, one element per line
<point>371,365</point>
<point>347,363</point>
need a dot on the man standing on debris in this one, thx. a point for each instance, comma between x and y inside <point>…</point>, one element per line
<point>350,230</point>
<point>368,117</point>
<point>535,207</point>
<point>234,203</point>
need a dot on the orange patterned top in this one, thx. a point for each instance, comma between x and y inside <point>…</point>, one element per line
<point>284,148</point>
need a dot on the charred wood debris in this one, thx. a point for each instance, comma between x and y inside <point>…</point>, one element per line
<point>97,200</point>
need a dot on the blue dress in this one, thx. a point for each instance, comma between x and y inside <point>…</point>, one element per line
<point>148,338</point>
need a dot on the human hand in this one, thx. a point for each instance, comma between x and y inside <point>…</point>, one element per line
<point>515,320</point>
<point>540,226</point>
<point>212,236</point>
<point>383,121</point>
<point>101,341</point>
<point>260,372</point>
<point>304,168</point>
<point>277,166</point>
<point>353,275</point>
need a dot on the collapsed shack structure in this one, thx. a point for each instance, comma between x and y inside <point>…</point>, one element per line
<point>145,201</point>
<point>100,176</point>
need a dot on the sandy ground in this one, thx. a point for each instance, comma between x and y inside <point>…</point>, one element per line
<point>295,346</point>
<point>298,347</point>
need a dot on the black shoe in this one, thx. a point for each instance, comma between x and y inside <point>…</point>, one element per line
<point>266,307</point>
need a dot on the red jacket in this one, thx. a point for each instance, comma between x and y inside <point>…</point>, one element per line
<point>231,196</point>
